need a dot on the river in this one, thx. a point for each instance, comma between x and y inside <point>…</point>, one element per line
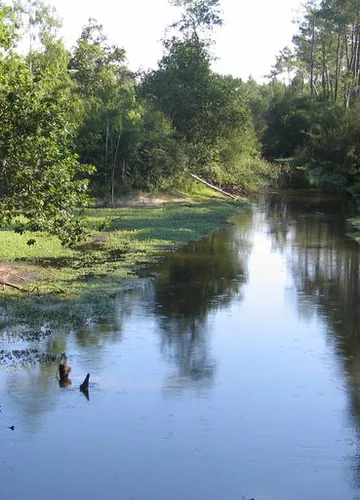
<point>232,372</point>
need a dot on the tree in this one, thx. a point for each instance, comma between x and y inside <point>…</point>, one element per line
<point>183,87</point>
<point>315,120</point>
<point>159,155</point>
<point>40,176</point>
<point>8,28</point>
<point>110,115</point>
<point>285,62</point>
<point>209,112</point>
<point>198,17</point>
<point>327,50</point>
<point>38,21</point>
<point>94,61</point>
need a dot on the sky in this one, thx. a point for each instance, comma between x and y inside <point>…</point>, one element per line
<point>254,31</point>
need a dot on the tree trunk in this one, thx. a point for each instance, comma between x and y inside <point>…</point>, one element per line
<point>114,167</point>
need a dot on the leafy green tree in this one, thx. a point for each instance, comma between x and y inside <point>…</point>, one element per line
<point>38,22</point>
<point>110,112</point>
<point>40,176</point>
<point>288,123</point>
<point>209,112</point>
<point>316,118</point>
<point>133,145</point>
<point>332,150</point>
<point>198,18</point>
<point>95,62</point>
<point>183,87</point>
<point>158,158</point>
<point>8,28</point>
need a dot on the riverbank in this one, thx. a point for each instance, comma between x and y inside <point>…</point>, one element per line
<point>50,286</point>
<point>355,222</point>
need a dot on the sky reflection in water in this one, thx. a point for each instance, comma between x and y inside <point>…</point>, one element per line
<point>232,372</point>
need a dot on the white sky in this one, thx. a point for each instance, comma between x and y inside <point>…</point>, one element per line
<point>253,33</point>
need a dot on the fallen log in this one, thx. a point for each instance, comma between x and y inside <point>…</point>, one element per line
<point>211,186</point>
<point>11,285</point>
<point>36,288</point>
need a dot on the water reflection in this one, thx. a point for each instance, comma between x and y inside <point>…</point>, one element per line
<point>189,286</point>
<point>260,409</point>
<point>33,392</point>
<point>325,265</point>
<point>204,277</point>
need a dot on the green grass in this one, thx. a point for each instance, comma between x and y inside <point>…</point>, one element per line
<point>355,234</point>
<point>72,285</point>
<point>199,191</point>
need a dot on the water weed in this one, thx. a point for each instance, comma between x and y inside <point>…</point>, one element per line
<point>67,286</point>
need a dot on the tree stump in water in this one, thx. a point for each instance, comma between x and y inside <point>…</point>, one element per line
<point>84,387</point>
<point>64,372</point>
<point>64,380</point>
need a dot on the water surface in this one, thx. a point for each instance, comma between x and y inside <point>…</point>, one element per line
<point>234,371</point>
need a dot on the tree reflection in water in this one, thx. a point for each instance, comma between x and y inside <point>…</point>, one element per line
<point>195,282</point>
<point>34,390</point>
<point>205,276</point>
<point>325,266</point>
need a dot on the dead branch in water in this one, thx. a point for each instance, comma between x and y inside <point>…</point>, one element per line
<point>85,384</point>
<point>84,387</point>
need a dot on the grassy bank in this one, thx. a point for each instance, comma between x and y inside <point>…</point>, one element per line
<point>68,286</point>
<point>356,234</point>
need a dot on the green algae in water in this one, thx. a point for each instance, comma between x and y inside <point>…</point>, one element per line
<point>71,286</point>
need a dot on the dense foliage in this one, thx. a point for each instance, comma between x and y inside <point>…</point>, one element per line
<point>81,121</point>
<point>310,110</point>
<point>40,176</point>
